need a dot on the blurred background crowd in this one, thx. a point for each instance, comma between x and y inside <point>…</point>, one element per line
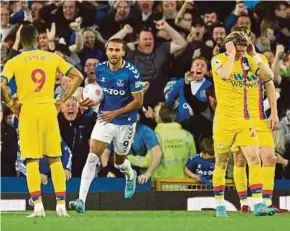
<point>165,40</point>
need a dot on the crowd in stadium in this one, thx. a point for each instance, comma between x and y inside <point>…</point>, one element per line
<point>165,40</point>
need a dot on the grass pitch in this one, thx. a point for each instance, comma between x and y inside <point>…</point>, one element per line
<point>144,221</point>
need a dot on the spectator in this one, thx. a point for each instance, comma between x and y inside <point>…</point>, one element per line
<point>177,145</point>
<point>92,46</point>
<point>194,89</point>
<point>8,144</point>
<point>151,61</point>
<point>201,166</point>
<point>5,26</point>
<point>66,157</point>
<point>89,70</point>
<point>75,129</point>
<point>118,19</point>
<point>146,8</point>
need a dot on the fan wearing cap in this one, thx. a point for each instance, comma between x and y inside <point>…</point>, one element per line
<point>234,73</point>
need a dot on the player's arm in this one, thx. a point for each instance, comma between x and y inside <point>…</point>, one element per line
<point>224,70</point>
<point>271,95</point>
<point>276,64</point>
<point>263,69</point>
<point>71,72</point>
<point>5,93</point>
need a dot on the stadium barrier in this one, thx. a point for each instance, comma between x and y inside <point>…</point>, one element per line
<point>107,194</point>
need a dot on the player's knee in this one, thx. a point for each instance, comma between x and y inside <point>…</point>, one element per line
<point>240,161</point>
<point>93,159</point>
<point>119,159</point>
<point>253,159</point>
<point>269,161</point>
<point>97,147</point>
<point>222,160</point>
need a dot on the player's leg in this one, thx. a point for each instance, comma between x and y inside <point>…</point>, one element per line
<point>52,150</point>
<point>268,157</point>
<point>223,140</point>
<point>59,184</point>
<point>241,181</point>
<point>31,151</point>
<point>251,154</point>
<point>122,145</point>
<point>34,186</point>
<point>101,136</point>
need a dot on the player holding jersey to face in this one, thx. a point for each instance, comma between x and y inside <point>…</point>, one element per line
<point>234,72</point>
<point>123,96</point>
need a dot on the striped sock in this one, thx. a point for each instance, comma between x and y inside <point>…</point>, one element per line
<point>255,180</point>
<point>33,181</point>
<point>240,178</point>
<point>58,179</point>
<point>219,182</point>
<point>268,184</point>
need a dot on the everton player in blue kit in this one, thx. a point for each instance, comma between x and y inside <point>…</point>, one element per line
<point>123,96</point>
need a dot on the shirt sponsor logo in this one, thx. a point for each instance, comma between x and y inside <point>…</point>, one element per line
<point>111,91</point>
<point>120,83</point>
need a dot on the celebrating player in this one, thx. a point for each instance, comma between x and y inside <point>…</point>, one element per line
<point>234,72</point>
<point>34,72</point>
<point>123,96</point>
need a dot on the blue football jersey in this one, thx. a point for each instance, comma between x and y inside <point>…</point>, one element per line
<point>118,87</point>
<point>200,166</point>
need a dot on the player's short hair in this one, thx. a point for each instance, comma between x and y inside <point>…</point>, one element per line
<point>238,37</point>
<point>206,145</point>
<point>28,34</point>
<point>167,113</point>
<point>117,40</point>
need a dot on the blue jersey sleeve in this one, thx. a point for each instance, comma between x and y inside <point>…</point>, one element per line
<point>191,164</point>
<point>149,137</point>
<point>66,157</point>
<point>173,94</point>
<point>134,78</point>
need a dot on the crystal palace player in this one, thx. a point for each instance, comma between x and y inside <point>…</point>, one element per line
<point>123,96</point>
<point>34,73</point>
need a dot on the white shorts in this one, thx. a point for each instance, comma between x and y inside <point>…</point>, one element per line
<point>121,135</point>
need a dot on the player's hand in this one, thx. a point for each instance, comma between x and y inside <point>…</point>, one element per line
<point>149,113</point>
<point>142,179</point>
<point>16,107</point>
<point>43,179</point>
<point>76,25</point>
<point>161,24</point>
<point>128,29</point>
<point>205,181</point>
<point>280,49</point>
<point>230,48</point>
<point>86,102</point>
<point>189,77</point>
<point>17,38</point>
<point>273,121</point>
<point>51,33</point>
<point>108,116</point>
<point>67,174</point>
<point>251,49</point>
<point>146,86</point>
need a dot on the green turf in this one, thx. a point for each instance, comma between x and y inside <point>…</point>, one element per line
<point>145,220</point>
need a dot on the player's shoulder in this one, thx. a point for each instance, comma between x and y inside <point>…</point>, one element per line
<point>219,58</point>
<point>102,65</point>
<point>130,67</point>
